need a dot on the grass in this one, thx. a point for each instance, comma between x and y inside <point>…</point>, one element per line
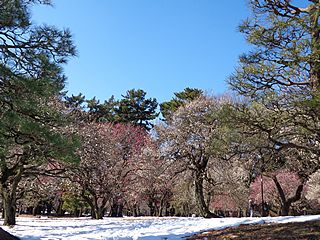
<point>303,231</point>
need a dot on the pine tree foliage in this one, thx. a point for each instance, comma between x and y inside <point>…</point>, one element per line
<point>281,77</point>
<point>31,82</point>
<point>286,48</point>
<point>135,108</point>
<point>180,99</point>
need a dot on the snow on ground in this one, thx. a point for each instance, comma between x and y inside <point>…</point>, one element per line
<point>129,228</point>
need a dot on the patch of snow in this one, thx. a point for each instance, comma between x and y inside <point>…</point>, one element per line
<point>130,228</point>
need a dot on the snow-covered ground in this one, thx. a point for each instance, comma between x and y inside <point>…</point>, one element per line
<point>146,228</point>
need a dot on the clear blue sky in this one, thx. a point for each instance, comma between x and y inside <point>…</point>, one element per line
<point>160,46</point>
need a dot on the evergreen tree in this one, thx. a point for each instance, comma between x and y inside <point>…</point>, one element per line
<point>93,105</point>
<point>282,77</point>
<point>180,99</point>
<point>31,82</point>
<point>107,110</point>
<point>286,56</point>
<point>91,110</point>
<point>102,112</point>
<point>75,102</point>
<point>76,107</point>
<point>136,109</point>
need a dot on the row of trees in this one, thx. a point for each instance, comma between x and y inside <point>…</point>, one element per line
<point>205,150</point>
<point>61,152</point>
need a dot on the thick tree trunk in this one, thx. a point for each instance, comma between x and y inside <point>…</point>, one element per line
<point>60,211</point>
<point>8,190</point>
<point>9,208</point>
<point>98,213</point>
<point>202,205</point>
<point>9,202</point>
<point>286,203</point>
<point>285,208</point>
<point>164,204</point>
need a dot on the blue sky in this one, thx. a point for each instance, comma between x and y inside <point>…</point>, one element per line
<point>160,46</point>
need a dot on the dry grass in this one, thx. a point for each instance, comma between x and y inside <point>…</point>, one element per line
<point>302,231</point>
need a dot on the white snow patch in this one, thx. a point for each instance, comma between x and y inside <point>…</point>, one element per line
<point>130,228</point>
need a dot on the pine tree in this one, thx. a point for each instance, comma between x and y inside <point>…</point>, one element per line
<point>180,99</point>
<point>31,83</point>
<point>136,109</point>
<point>281,75</point>
<point>286,53</point>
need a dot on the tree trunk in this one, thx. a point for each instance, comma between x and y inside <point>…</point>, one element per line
<point>152,208</point>
<point>285,208</point>
<point>116,210</point>
<point>49,208</point>
<point>314,59</point>
<point>34,210</point>
<point>98,213</point>
<point>9,208</point>
<point>202,205</point>
<point>135,210</point>
<point>8,188</point>
<point>113,210</point>
<point>286,203</point>
<point>57,205</point>
<point>97,210</point>
<point>9,199</point>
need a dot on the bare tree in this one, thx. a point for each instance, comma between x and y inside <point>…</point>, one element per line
<point>106,164</point>
<point>154,179</point>
<point>193,138</point>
